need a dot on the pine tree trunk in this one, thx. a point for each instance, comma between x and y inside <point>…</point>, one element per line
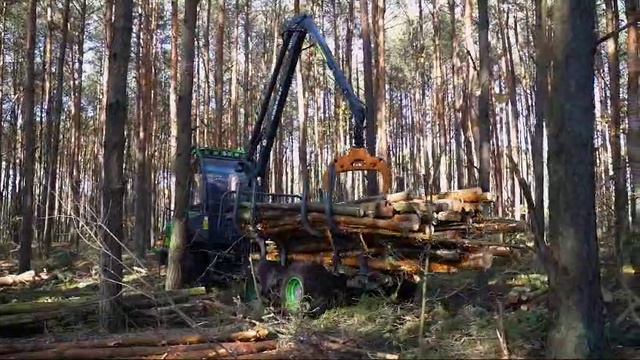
<point>182,168</point>
<point>382,148</point>
<point>52,175</point>
<point>219,74</point>
<point>233,101</point>
<point>468,120</point>
<point>483,100</point>
<point>633,103</point>
<point>142,229</point>
<point>206,48</point>
<point>575,298</point>
<point>3,187</point>
<point>111,318</point>
<point>46,129</point>
<point>246,73</point>
<point>621,227</point>
<point>371,129</point>
<point>541,96</point>
<point>76,119</point>
<point>26,227</point>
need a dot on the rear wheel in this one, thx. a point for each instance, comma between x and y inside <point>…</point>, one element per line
<point>307,289</point>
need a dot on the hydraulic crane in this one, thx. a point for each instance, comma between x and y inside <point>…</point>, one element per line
<point>275,96</point>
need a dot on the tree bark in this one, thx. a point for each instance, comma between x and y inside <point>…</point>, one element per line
<point>371,129</point>
<point>541,96</point>
<point>483,100</point>
<point>621,227</point>
<point>3,22</point>
<point>382,148</point>
<point>633,104</point>
<point>182,168</point>
<point>26,227</point>
<point>46,128</point>
<point>76,119</point>
<point>52,175</point>
<point>468,122</point>
<point>246,72</point>
<point>173,86</point>
<point>113,187</point>
<point>233,98</point>
<point>142,229</point>
<point>219,74</point>
<point>574,277</point>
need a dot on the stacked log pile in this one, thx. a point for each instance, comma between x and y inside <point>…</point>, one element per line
<point>451,222</point>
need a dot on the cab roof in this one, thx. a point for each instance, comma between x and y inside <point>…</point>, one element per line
<point>204,152</point>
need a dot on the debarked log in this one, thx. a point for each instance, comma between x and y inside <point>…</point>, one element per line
<point>470,195</point>
<point>477,261</point>
<point>149,338</point>
<point>27,277</point>
<point>401,222</point>
<point>273,208</point>
<point>131,301</point>
<point>24,313</point>
<point>198,351</point>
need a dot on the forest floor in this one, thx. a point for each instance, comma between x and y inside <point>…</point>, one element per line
<point>499,314</point>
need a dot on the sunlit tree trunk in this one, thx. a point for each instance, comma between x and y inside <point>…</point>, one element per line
<point>621,227</point>
<point>182,168</point>
<point>380,82</point>
<point>76,119</point>
<point>26,230</point>
<point>633,104</point>
<point>574,277</point>
<point>233,100</point>
<point>111,316</point>
<point>52,175</point>
<point>371,129</point>
<point>468,120</point>
<point>483,100</point>
<point>142,197</point>
<point>541,96</point>
<point>219,73</point>
<point>3,187</point>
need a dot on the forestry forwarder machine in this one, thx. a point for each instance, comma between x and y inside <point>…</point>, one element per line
<point>217,249</point>
<point>227,188</point>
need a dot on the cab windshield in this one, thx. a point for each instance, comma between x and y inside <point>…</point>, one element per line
<point>220,176</point>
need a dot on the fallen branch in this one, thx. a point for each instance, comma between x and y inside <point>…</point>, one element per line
<point>502,338</point>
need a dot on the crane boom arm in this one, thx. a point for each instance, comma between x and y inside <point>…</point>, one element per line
<point>277,90</point>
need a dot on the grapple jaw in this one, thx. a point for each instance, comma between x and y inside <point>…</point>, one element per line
<point>359,159</point>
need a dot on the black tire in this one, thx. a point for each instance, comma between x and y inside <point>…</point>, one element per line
<point>314,287</point>
<point>269,277</point>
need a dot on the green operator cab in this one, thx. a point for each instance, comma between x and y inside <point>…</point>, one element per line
<point>213,250</point>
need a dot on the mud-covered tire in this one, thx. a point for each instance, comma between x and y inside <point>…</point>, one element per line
<point>308,289</point>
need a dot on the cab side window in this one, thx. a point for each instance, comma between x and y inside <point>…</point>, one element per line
<point>197,190</point>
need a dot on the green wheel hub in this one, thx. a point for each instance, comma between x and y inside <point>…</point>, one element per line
<point>293,294</point>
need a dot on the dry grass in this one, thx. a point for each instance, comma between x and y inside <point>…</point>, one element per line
<point>460,323</point>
